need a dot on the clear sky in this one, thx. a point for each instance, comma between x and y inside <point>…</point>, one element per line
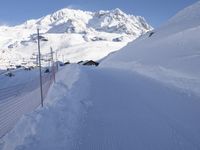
<point>156,12</point>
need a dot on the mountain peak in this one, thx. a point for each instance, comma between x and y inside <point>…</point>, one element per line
<point>66,12</point>
<point>112,21</point>
<point>118,11</point>
<point>116,21</point>
<point>83,35</point>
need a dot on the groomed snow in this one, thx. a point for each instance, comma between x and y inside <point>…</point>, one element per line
<point>110,109</point>
<point>144,97</point>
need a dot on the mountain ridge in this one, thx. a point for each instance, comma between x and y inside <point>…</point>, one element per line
<point>102,27</point>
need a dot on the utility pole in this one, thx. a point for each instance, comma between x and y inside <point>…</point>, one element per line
<point>52,63</point>
<point>40,69</point>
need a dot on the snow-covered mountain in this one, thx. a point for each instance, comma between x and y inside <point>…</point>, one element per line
<point>75,34</point>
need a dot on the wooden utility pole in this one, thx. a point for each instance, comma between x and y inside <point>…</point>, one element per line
<point>40,68</point>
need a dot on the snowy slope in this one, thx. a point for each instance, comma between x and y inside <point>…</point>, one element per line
<point>109,109</point>
<point>169,53</point>
<point>70,30</point>
<point>143,97</point>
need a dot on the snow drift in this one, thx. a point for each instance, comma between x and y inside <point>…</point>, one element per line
<point>170,53</point>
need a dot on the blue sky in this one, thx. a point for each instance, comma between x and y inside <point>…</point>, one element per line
<point>156,12</point>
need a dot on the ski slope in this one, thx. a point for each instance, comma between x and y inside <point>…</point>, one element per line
<point>145,96</point>
<point>110,109</point>
<point>129,111</point>
<point>169,54</point>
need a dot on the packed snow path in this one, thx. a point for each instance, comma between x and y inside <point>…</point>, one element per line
<point>129,111</point>
<point>109,109</point>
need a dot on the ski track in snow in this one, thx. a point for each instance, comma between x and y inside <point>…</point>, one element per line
<point>145,97</point>
<point>110,109</point>
<point>133,112</point>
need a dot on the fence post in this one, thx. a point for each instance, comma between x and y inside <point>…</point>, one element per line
<point>40,69</point>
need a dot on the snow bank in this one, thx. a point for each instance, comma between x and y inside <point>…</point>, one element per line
<point>52,127</point>
<point>173,47</point>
